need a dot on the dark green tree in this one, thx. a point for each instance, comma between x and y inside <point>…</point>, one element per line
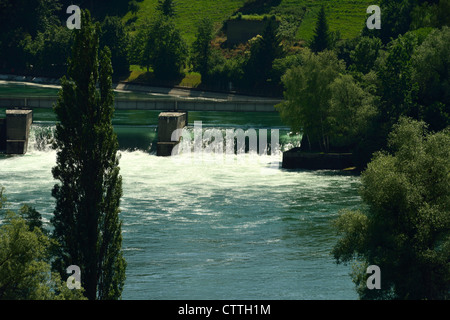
<point>264,50</point>
<point>32,216</point>
<point>396,18</point>
<point>140,51</point>
<point>47,53</point>
<point>167,7</point>
<point>163,48</point>
<point>398,90</point>
<point>133,7</point>
<point>321,39</point>
<point>201,48</point>
<point>431,70</point>
<point>401,16</point>
<point>86,217</point>
<point>20,19</point>
<point>115,37</point>
<point>307,96</point>
<point>365,54</point>
<point>404,226</point>
<point>25,271</point>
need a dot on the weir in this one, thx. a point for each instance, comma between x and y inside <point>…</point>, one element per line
<point>14,131</point>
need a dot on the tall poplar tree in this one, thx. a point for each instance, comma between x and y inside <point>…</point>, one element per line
<point>86,218</point>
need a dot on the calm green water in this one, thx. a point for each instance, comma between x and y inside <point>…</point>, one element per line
<point>244,229</point>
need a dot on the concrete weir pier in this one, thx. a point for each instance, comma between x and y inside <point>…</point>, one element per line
<point>14,131</point>
<point>168,122</point>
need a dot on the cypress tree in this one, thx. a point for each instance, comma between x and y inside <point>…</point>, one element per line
<point>86,217</point>
<point>321,39</point>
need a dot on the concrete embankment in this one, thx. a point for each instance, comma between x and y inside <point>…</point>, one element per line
<point>154,98</point>
<point>296,159</point>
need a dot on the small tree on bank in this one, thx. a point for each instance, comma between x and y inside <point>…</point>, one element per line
<point>86,218</point>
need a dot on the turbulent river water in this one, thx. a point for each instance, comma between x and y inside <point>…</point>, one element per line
<point>203,229</point>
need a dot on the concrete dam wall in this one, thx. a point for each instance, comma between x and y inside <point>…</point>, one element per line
<point>161,104</point>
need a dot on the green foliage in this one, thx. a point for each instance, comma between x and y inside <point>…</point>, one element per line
<point>405,229</point>
<point>321,39</point>
<point>25,272</point>
<point>159,45</point>
<point>167,7</point>
<point>288,27</point>
<point>443,8</point>
<point>401,16</point>
<point>21,19</point>
<point>115,37</point>
<point>431,71</point>
<point>307,95</point>
<point>164,49</point>
<point>264,50</point>
<point>47,53</point>
<point>223,71</point>
<point>281,65</point>
<point>86,217</point>
<point>397,88</point>
<point>201,48</point>
<point>365,54</point>
<point>396,19</point>
<point>32,216</point>
<point>133,7</point>
<point>352,110</point>
<point>430,14</point>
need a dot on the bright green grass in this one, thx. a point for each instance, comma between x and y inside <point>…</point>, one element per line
<point>189,12</point>
<point>347,16</point>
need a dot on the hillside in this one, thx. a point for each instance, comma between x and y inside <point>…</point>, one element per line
<point>189,12</point>
<point>347,16</point>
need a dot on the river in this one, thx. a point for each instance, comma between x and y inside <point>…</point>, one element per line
<point>242,229</point>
